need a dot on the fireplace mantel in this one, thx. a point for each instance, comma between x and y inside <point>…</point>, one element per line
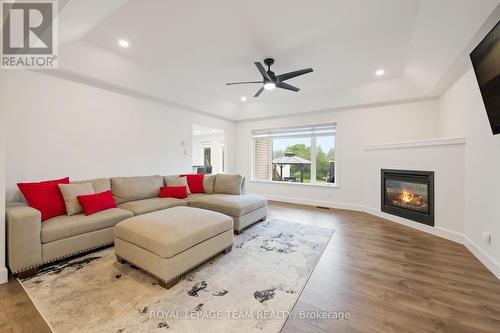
<point>418,144</point>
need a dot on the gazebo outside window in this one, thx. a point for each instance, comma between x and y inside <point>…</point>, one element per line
<point>288,159</point>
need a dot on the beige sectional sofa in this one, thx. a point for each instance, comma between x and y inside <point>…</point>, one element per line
<point>31,243</point>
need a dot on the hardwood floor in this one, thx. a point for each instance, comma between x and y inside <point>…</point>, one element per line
<point>392,278</point>
<point>388,277</point>
<point>17,313</point>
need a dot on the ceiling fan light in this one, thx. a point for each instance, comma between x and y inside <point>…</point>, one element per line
<point>269,85</point>
<point>123,43</point>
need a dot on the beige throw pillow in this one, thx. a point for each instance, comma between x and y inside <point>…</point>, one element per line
<point>70,192</point>
<point>228,184</point>
<point>177,181</point>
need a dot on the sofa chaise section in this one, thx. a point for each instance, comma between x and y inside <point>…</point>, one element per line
<point>244,209</point>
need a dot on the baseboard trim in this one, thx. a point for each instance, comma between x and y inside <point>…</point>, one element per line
<point>454,236</point>
<point>483,257</point>
<point>4,275</point>
<point>436,231</point>
<point>307,202</point>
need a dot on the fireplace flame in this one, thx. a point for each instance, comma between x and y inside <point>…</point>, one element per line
<point>406,196</point>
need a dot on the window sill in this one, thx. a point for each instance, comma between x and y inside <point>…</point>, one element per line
<point>295,184</point>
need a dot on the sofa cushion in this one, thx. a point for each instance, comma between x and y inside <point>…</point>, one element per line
<point>144,206</point>
<point>233,205</point>
<point>65,226</point>
<point>70,192</point>
<point>195,196</point>
<point>177,181</point>
<point>98,184</point>
<point>172,231</point>
<point>135,188</point>
<point>228,184</point>
<point>209,184</point>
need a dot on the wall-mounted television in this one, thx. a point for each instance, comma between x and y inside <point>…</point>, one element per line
<point>486,62</point>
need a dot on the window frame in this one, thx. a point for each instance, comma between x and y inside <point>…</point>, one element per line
<point>313,136</point>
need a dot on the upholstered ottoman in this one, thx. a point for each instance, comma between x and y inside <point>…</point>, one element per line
<point>170,242</point>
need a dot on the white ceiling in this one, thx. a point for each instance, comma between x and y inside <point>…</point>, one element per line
<point>185,51</point>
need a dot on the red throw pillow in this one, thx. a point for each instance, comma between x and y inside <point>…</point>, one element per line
<point>93,203</point>
<point>45,196</point>
<point>179,192</point>
<point>195,182</point>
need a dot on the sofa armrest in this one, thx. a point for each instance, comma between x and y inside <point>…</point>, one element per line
<point>24,244</point>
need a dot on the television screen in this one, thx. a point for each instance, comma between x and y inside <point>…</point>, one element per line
<point>486,62</point>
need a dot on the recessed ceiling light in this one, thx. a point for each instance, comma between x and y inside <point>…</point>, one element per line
<point>380,72</point>
<point>243,99</point>
<point>269,86</point>
<point>123,43</point>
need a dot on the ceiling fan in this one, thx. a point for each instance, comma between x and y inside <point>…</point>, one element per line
<point>270,80</point>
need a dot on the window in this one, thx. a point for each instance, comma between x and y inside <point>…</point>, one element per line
<point>299,155</point>
<point>325,159</point>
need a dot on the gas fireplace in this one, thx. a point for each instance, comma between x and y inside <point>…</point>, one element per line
<point>408,194</point>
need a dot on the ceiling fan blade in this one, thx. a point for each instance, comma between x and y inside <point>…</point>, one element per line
<point>286,76</point>
<point>262,71</point>
<point>259,92</point>
<point>243,82</point>
<point>286,86</point>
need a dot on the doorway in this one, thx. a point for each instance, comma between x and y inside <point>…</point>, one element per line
<point>208,150</point>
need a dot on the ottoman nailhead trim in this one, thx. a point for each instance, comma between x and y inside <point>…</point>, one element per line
<point>192,267</point>
<point>180,274</point>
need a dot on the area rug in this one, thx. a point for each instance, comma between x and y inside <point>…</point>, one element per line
<point>250,289</point>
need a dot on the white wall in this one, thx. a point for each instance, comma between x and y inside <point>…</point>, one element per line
<point>358,170</point>
<point>463,113</point>
<point>60,128</point>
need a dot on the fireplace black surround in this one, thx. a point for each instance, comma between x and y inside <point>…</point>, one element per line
<point>408,194</point>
